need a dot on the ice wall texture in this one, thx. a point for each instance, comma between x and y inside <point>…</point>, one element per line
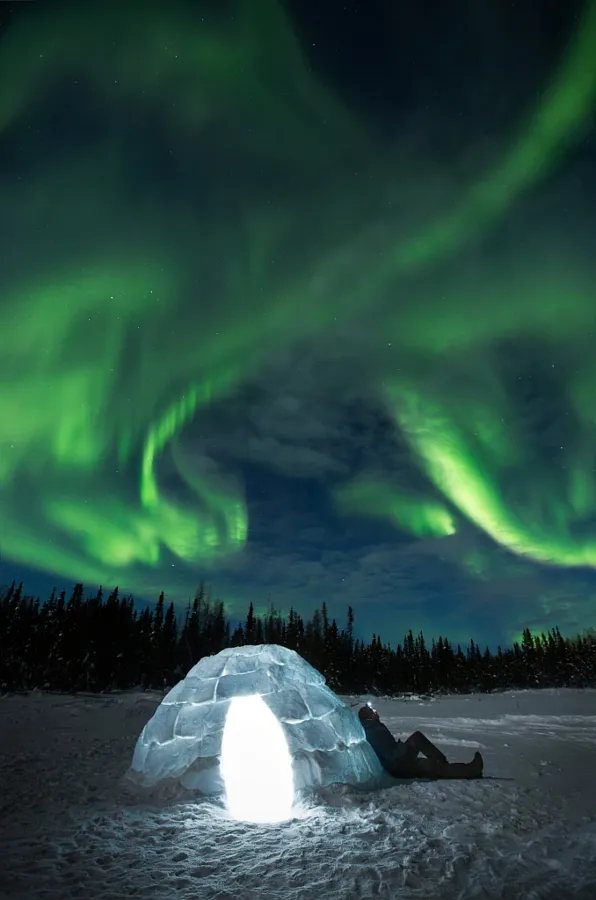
<point>182,741</point>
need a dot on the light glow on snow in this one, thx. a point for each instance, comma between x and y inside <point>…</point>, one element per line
<point>255,763</point>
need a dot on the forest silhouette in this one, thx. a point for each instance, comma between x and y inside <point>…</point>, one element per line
<point>96,643</point>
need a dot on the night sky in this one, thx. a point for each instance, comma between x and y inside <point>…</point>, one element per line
<point>300,299</point>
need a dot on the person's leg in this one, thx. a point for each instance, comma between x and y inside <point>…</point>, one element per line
<point>434,768</point>
<point>421,744</point>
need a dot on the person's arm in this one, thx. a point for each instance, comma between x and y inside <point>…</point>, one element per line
<point>383,743</point>
<point>400,750</point>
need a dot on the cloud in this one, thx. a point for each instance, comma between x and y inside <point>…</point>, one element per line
<point>308,415</point>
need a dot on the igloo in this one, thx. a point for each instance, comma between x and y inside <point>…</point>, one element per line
<point>237,708</point>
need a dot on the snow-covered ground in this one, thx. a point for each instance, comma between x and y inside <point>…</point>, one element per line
<point>71,827</point>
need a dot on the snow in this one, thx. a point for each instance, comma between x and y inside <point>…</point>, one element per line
<point>183,739</point>
<point>71,826</point>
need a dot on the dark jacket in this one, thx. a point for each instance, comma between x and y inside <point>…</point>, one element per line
<point>383,743</point>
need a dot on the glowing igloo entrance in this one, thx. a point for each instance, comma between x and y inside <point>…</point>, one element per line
<point>254,744</point>
<point>258,724</point>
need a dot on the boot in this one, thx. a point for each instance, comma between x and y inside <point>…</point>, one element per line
<point>472,769</point>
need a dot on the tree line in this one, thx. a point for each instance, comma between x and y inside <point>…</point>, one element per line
<point>98,643</point>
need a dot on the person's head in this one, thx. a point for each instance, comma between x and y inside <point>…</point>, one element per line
<point>368,714</point>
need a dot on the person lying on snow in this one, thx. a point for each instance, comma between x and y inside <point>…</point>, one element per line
<point>401,759</point>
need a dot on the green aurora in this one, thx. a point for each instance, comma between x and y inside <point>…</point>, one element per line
<point>135,311</point>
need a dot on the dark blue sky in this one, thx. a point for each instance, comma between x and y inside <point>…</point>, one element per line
<point>369,227</point>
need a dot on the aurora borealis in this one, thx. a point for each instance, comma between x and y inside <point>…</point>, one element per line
<point>266,323</point>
